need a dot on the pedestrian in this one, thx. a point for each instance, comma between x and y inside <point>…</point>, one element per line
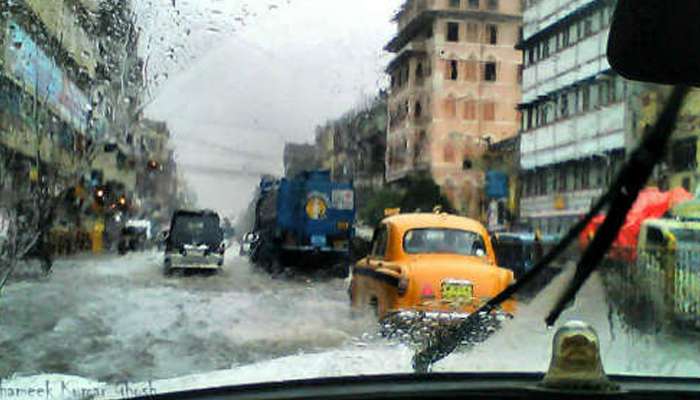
<point>538,249</point>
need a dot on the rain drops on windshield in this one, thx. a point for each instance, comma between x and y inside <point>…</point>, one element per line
<point>220,192</point>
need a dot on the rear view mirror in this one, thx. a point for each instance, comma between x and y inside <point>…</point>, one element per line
<point>654,41</point>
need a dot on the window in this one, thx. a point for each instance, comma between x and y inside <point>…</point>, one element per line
<point>564,105</point>
<point>520,73</point>
<point>684,154</point>
<point>490,72</point>
<point>420,147</point>
<point>586,174</point>
<point>470,70</point>
<point>492,4</point>
<point>531,56</point>
<point>448,241</point>
<point>588,26</point>
<point>453,70</point>
<point>455,3</point>
<point>492,34</point>
<point>449,153</point>
<point>472,32</point>
<point>473,3</point>
<point>418,110</point>
<point>604,92</point>
<point>594,95</point>
<point>545,49</point>
<point>565,38</point>
<point>562,178</point>
<point>450,108</point>
<point>470,110</point>
<point>419,71</point>
<point>379,243</point>
<point>541,183</point>
<point>585,98</point>
<point>489,108</point>
<point>452,32</point>
<point>466,164</point>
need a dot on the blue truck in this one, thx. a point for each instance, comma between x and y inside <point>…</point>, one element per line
<point>305,222</point>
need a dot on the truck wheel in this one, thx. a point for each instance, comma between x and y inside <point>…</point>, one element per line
<point>167,268</point>
<point>340,270</point>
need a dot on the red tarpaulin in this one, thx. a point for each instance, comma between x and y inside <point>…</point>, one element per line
<point>651,203</point>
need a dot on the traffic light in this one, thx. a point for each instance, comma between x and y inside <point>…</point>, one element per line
<point>100,196</point>
<point>122,203</point>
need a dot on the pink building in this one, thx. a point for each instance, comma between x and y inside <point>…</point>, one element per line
<point>455,87</point>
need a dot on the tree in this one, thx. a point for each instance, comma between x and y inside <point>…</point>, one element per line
<point>417,194</point>
<point>423,194</point>
<point>373,211</point>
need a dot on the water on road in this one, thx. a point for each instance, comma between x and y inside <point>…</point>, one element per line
<point>119,318</point>
<point>115,319</point>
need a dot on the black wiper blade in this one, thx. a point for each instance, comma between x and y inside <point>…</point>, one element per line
<point>621,195</point>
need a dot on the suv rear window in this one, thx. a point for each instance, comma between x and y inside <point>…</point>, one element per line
<point>195,229</point>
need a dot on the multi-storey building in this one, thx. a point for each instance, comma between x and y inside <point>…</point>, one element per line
<point>455,86</point>
<point>574,114</point>
<point>47,68</point>
<point>353,147</point>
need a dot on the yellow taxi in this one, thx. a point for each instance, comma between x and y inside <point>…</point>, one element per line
<point>433,263</point>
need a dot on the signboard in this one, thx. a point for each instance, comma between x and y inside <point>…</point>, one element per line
<point>576,203</point>
<point>496,185</point>
<point>343,199</point>
<point>559,202</point>
<point>29,65</point>
<point>316,206</point>
<point>60,20</point>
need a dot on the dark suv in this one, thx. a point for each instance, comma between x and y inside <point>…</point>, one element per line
<point>195,241</point>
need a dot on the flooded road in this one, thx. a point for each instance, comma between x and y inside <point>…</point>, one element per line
<point>115,319</point>
<point>119,318</point>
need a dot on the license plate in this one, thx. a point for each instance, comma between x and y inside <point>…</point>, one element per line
<point>457,291</point>
<point>318,240</point>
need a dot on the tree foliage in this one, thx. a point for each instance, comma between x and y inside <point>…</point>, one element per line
<point>417,194</point>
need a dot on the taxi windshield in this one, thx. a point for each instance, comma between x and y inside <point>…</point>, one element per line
<point>446,241</point>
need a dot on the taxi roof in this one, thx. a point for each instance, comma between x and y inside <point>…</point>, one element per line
<point>432,220</point>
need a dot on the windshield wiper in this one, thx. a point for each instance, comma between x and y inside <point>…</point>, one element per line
<point>621,196</point>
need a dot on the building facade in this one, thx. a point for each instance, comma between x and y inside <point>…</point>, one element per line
<point>299,157</point>
<point>70,119</point>
<point>681,167</point>
<point>454,89</point>
<point>47,69</point>
<point>574,113</point>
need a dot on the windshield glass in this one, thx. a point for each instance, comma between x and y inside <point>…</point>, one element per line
<point>308,144</point>
<point>453,241</point>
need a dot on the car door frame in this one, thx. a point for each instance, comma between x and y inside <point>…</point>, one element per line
<point>374,277</point>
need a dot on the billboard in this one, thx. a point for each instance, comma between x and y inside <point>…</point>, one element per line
<point>28,64</point>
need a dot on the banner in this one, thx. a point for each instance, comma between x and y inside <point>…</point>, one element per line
<point>30,66</point>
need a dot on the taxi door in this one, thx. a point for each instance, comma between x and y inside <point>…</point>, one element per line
<point>373,285</point>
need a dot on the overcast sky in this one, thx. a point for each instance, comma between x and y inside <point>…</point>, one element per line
<point>248,76</point>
